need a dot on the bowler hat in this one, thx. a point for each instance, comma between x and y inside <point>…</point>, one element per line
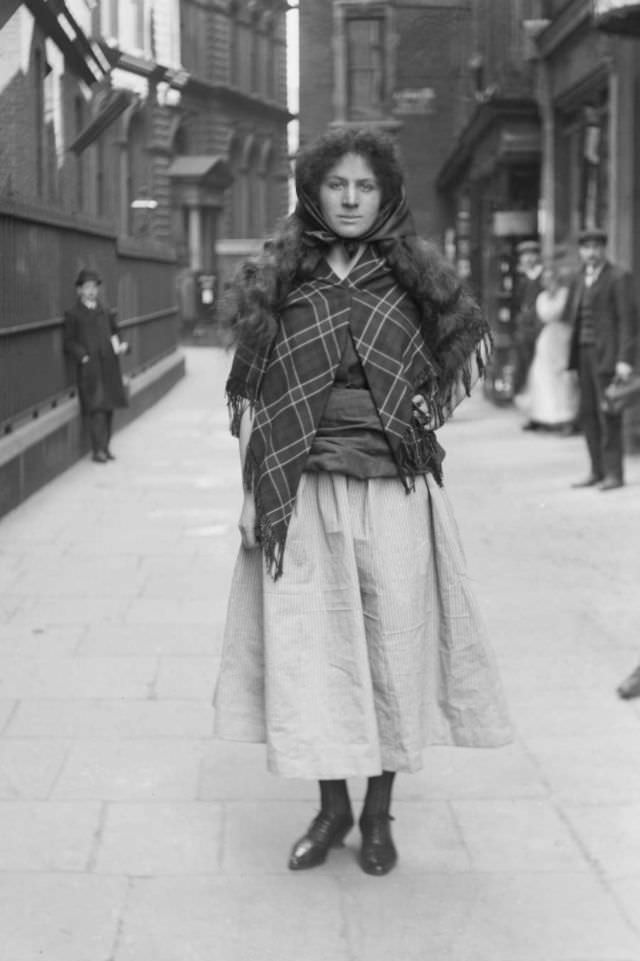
<point>86,274</point>
<point>592,233</point>
<point>528,247</point>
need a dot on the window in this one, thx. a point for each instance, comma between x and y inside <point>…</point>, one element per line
<point>365,67</point>
<point>364,61</point>
<point>38,99</point>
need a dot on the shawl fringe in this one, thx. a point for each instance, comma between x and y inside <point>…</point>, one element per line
<point>421,454</point>
<point>271,542</point>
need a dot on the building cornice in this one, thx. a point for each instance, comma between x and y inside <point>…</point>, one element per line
<point>235,97</point>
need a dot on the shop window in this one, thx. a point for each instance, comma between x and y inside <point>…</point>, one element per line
<point>594,181</point>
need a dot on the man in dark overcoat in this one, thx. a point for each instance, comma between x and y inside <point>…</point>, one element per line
<point>91,340</point>
<point>527,325</point>
<point>602,312</point>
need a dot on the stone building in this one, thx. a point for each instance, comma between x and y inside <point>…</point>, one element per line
<point>138,137</point>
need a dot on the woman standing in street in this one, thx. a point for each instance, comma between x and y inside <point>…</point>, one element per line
<point>352,637</point>
<point>91,339</point>
<point>551,395</point>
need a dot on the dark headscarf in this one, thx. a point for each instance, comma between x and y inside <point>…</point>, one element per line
<point>393,221</point>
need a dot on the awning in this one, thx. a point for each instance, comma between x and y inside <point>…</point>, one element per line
<point>199,180</point>
<point>500,130</point>
<point>617,16</point>
<point>113,105</point>
<point>84,57</point>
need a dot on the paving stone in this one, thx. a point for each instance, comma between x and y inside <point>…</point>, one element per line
<point>627,893</point>
<point>528,917</point>
<point>234,919</point>
<point>504,772</point>
<point>161,839</point>
<point>558,671</point>
<point>601,768</point>
<point>32,641</point>
<point>74,677</point>
<point>133,770</point>
<point>47,836</point>
<point>168,637</point>
<point>149,610</point>
<point>187,677</point>
<point>519,835</point>
<point>610,834</point>
<point>111,719</point>
<point>59,917</point>
<point>38,613</point>
<point>7,708</point>
<point>236,771</point>
<point>28,769</point>
<point>585,712</point>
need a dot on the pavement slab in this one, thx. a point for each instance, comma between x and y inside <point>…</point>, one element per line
<point>234,918</point>
<point>128,833</point>
<point>59,917</point>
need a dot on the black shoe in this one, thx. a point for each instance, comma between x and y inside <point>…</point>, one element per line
<point>611,483</point>
<point>99,457</point>
<point>630,687</point>
<point>109,455</point>
<point>589,481</point>
<point>378,853</point>
<point>325,831</point>
<point>531,425</point>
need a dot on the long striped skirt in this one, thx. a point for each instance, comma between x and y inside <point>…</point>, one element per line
<point>369,647</point>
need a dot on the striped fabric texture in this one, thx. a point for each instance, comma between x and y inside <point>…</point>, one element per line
<point>369,647</point>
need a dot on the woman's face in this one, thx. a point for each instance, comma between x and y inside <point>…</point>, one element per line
<point>350,196</point>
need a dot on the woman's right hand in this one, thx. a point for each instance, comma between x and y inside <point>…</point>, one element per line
<point>247,522</point>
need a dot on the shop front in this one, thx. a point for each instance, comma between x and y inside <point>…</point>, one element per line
<point>589,73</point>
<point>491,182</point>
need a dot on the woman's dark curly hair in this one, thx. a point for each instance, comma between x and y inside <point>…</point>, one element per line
<point>261,286</point>
<point>313,163</point>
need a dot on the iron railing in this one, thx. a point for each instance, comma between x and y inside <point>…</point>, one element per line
<point>40,256</point>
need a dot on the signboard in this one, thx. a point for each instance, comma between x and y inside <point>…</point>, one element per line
<point>515,223</point>
<point>617,16</point>
<point>416,101</point>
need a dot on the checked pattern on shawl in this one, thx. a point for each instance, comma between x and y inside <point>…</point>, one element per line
<point>289,391</point>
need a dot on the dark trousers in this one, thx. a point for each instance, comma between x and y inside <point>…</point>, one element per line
<point>602,431</point>
<point>100,422</point>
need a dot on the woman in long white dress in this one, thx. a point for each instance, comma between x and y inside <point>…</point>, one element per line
<point>550,398</point>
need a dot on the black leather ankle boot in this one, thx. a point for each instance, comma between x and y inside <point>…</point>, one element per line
<point>326,831</point>
<point>378,853</point>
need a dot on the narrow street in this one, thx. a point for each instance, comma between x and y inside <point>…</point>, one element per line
<point>127,833</point>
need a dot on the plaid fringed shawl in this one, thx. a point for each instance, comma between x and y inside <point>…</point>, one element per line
<point>288,385</point>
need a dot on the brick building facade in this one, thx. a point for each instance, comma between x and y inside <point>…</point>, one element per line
<point>391,64</point>
<point>138,137</point>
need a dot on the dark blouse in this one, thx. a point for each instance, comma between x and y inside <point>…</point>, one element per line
<point>350,439</point>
